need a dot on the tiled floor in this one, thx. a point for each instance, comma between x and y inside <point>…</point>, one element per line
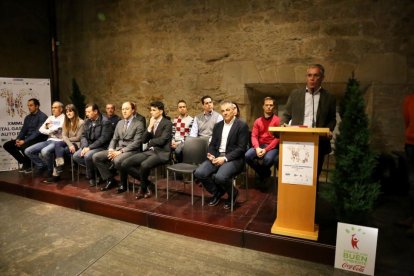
<point>43,239</point>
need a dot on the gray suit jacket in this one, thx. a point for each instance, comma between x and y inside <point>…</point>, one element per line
<point>325,116</point>
<point>130,140</point>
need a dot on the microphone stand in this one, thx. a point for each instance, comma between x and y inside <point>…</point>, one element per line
<point>313,109</point>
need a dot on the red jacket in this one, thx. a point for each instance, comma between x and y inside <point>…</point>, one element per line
<point>409,119</point>
<point>261,134</point>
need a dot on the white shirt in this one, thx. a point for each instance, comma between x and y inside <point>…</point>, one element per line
<point>225,135</point>
<point>311,107</point>
<point>54,130</point>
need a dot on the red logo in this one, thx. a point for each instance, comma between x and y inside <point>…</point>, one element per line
<point>354,241</point>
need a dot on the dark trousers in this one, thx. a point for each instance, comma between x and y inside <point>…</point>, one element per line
<point>103,164</point>
<point>269,159</point>
<point>18,152</point>
<point>223,175</point>
<point>140,165</point>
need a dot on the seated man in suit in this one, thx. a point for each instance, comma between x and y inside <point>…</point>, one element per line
<point>97,133</point>
<point>264,153</point>
<point>127,141</point>
<point>225,156</point>
<point>158,137</point>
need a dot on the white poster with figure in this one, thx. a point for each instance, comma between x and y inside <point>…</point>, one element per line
<point>297,163</point>
<point>356,248</point>
<point>14,94</point>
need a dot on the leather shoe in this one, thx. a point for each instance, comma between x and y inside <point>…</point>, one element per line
<point>121,189</point>
<point>143,193</point>
<point>148,193</point>
<point>110,183</point>
<point>227,203</point>
<point>216,199</point>
<point>92,182</point>
<point>140,193</point>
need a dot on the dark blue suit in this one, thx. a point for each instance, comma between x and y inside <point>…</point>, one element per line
<point>235,149</point>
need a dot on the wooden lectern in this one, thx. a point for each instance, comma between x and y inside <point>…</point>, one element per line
<point>298,165</point>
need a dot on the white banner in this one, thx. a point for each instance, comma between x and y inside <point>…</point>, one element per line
<point>14,94</point>
<point>356,248</point>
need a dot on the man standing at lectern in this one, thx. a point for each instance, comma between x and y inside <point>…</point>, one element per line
<point>313,107</point>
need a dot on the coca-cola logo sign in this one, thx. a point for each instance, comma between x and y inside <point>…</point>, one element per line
<point>356,248</point>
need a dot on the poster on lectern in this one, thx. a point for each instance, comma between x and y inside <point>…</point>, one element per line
<point>14,94</point>
<point>297,163</point>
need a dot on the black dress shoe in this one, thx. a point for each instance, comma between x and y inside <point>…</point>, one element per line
<point>110,183</point>
<point>121,189</point>
<point>50,179</point>
<point>148,193</point>
<point>92,182</point>
<point>227,203</point>
<point>214,201</point>
<point>140,193</point>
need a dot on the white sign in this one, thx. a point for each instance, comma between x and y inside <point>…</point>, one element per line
<point>14,94</point>
<point>356,248</point>
<point>297,163</point>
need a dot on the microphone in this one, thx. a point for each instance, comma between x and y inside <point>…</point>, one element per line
<point>313,108</point>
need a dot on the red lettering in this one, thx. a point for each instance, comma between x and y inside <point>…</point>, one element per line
<point>359,268</point>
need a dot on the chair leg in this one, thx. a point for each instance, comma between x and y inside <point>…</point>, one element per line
<point>71,166</point>
<point>276,179</point>
<point>192,189</point>
<point>167,182</point>
<point>233,183</point>
<point>156,185</point>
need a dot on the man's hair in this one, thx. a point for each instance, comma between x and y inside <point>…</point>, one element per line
<point>111,104</point>
<point>59,103</point>
<point>228,102</point>
<point>181,101</point>
<point>269,99</point>
<point>321,69</point>
<point>205,97</point>
<point>94,107</point>
<point>35,101</point>
<point>132,104</point>
<point>160,106</point>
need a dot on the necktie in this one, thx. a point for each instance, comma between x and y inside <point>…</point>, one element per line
<point>125,126</point>
<point>155,126</point>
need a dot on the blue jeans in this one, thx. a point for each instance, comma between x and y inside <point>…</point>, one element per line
<point>262,168</point>
<point>41,155</point>
<point>87,161</point>
<point>60,149</point>
<point>224,175</point>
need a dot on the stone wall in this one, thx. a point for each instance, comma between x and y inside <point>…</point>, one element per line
<point>168,50</point>
<point>24,44</point>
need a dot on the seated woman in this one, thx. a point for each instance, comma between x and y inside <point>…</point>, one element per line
<point>71,135</point>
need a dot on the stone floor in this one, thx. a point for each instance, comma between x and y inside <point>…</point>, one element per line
<point>37,238</point>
